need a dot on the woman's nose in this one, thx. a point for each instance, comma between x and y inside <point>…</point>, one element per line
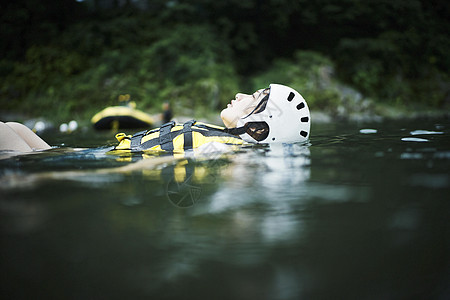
<point>239,96</point>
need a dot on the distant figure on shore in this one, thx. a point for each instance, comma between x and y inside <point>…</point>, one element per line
<point>167,113</point>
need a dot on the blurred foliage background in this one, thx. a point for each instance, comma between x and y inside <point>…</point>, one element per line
<point>66,59</point>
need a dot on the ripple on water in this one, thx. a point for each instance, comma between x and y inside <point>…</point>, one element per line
<point>368,131</point>
<point>421,132</point>
<point>412,139</point>
<point>411,155</point>
<point>434,181</point>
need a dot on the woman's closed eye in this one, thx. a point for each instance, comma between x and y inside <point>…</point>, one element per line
<point>260,93</point>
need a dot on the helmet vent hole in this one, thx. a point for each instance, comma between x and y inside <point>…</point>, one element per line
<point>301,105</point>
<point>303,133</point>
<point>304,119</point>
<point>290,97</point>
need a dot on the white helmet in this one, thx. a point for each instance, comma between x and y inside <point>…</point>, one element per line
<point>281,117</point>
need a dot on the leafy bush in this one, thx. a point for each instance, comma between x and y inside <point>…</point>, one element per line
<point>188,65</point>
<point>308,72</point>
<point>185,65</point>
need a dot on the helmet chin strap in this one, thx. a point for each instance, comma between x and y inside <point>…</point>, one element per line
<point>258,130</point>
<point>237,130</point>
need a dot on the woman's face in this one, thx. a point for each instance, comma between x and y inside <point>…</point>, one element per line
<point>242,105</point>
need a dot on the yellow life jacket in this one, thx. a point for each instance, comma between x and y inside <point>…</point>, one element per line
<point>173,137</point>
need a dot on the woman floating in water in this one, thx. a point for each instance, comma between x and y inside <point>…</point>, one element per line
<point>272,115</point>
<point>277,114</point>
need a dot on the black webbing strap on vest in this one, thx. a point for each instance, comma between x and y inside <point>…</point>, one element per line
<point>165,136</point>
<point>187,132</point>
<point>135,142</point>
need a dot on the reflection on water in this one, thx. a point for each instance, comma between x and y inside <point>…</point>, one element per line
<point>358,213</point>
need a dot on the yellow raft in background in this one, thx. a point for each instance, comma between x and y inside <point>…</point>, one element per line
<point>122,116</point>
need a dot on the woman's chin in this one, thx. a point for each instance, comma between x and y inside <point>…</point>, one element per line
<point>224,118</point>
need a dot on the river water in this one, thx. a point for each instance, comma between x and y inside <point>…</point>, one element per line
<point>362,212</point>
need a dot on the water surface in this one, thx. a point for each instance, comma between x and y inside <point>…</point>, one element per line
<point>359,213</point>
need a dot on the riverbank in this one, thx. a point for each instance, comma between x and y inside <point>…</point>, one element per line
<point>377,113</point>
<point>74,67</point>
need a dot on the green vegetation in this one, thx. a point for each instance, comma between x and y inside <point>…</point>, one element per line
<point>63,59</point>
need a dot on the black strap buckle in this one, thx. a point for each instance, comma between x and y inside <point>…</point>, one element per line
<point>188,125</point>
